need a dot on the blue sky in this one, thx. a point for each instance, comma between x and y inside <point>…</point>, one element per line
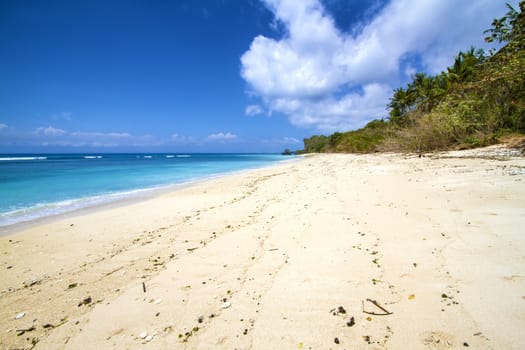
<point>214,75</point>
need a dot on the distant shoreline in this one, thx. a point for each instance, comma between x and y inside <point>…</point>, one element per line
<point>119,201</point>
<point>34,215</point>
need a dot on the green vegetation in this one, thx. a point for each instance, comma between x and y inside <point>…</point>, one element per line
<point>476,101</point>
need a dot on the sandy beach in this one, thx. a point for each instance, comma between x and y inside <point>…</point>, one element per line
<point>381,251</point>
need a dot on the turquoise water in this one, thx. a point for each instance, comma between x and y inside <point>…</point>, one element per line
<point>35,186</point>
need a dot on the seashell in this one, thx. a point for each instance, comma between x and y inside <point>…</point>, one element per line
<point>226,304</point>
<point>20,315</point>
<point>143,335</point>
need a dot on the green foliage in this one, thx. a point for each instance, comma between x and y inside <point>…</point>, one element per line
<point>316,144</point>
<point>334,139</point>
<point>464,67</point>
<point>425,92</point>
<point>435,131</point>
<point>376,124</point>
<point>360,141</point>
<point>477,99</point>
<point>503,29</point>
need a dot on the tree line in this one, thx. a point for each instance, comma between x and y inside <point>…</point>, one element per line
<point>477,100</point>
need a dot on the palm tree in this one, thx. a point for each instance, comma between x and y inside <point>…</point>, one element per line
<point>401,103</point>
<point>464,65</point>
<point>441,85</point>
<point>423,86</point>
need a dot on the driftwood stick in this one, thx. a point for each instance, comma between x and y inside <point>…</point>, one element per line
<point>112,272</point>
<point>379,306</point>
<point>376,314</point>
<point>386,312</point>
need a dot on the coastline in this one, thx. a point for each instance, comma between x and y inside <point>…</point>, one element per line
<point>118,199</point>
<point>265,258</point>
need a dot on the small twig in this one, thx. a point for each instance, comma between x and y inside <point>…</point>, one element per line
<point>22,331</point>
<point>386,312</point>
<point>379,306</point>
<point>112,272</point>
<point>376,314</point>
<point>144,287</point>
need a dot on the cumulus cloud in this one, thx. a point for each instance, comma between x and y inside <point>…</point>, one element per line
<point>101,139</point>
<point>287,139</point>
<point>62,116</point>
<point>49,131</point>
<point>3,126</point>
<point>333,113</point>
<point>58,137</point>
<point>99,135</point>
<point>252,110</point>
<point>222,136</point>
<point>181,138</point>
<point>281,141</point>
<point>324,78</point>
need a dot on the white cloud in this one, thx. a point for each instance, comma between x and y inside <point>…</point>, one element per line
<point>49,131</point>
<point>51,136</point>
<point>58,137</point>
<point>410,71</point>
<point>329,114</point>
<point>281,141</point>
<point>222,136</point>
<point>252,110</point>
<point>100,139</point>
<point>3,126</point>
<point>290,140</point>
<point>312,72</point>
<point>98,135</point>
<point>181,138</point>
<point>112,139</point>
<point>62,116</point>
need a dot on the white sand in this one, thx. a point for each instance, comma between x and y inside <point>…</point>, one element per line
<point>437,242</point>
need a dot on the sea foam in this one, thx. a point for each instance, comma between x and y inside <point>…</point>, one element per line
<point>35,186</point>
<point>42,210</point>
<point>22,158</point>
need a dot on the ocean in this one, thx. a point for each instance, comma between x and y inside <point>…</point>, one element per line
<point>41,185</point>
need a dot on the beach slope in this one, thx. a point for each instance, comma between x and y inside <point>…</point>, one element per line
<point>331,251</point>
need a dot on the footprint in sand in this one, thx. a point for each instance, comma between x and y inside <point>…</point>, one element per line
<point>438,340</point>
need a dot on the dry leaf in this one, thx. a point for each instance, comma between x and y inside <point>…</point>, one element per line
<point>411,296</point>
